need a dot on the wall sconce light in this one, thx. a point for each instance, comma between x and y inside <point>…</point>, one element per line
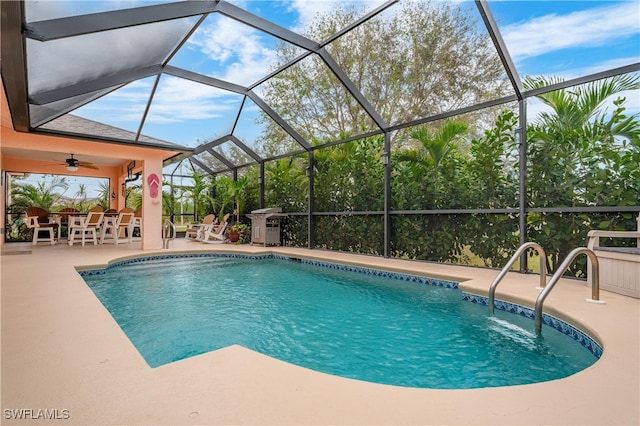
<point>113,195</point>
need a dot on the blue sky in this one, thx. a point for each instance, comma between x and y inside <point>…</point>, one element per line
<point>567,39</point>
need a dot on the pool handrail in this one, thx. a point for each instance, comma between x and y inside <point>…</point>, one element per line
<point>516,255</point>
<point>595,288</point>
<point>168,233</point>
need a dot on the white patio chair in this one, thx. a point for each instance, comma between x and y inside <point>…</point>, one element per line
<point>85,225</point>
<point>114,226</point>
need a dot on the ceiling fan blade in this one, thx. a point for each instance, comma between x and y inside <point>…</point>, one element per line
<point>86,165</point>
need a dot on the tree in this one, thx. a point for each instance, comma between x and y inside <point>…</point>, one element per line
<point>492,174</point>
<point>44,194</point>
<point>286,184</point>
<point>104,194</point>
<point>424,59</point>
<point>428,168</point>
<point>580,155</point>
<point>198,193</point>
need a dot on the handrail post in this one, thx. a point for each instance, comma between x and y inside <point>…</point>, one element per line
<point>168,233</point>
<point>505,269</point>
<point>595,289</point>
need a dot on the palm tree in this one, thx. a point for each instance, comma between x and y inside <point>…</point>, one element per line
<point>198,193</point>
<point>104,192</point>
<point>425,164</point>
<point>434,146</point>
<point>574,151</point>
<point>80,198</point>
<point>229,191</point>
<point>44,194</point>
<point>580,110</point>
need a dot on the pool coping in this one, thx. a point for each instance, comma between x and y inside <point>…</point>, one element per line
<point>62,350</point>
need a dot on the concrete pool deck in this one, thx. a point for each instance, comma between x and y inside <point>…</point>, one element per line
<point>63,356</point>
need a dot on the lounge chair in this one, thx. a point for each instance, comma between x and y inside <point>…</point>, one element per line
<point>114,226</point>
<point>215,234</point>
<point>85,225</point>
<point>38,220</point>
<point>196,232</point>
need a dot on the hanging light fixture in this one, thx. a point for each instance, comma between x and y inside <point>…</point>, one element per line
<point>72,164</point>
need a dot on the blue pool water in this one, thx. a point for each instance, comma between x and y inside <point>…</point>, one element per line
<point>346,323</point>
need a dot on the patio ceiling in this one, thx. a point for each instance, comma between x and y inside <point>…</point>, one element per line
<point>160,75</point>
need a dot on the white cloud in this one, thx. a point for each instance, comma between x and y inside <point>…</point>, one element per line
<point>178,100</point>
<point>593,27</point>
<point>307,10</point>
<point>241,51</point>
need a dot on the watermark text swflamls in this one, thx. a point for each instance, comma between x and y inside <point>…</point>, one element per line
<point>36,414</point>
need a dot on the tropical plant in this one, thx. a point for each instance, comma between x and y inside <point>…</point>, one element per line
<point>104,194</point>
<point>577,153</point>
<point>286,184</point>
<point>199,192</point>
<point>44,194</point>
<point>427,172</point>
<point>241,231</point>
<point>229,192</point>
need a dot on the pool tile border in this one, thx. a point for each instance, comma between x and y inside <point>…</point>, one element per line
<point>351,268</point>
<point>576,334</point>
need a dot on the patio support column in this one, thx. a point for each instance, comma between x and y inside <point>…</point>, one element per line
<point>386,161</point>
<point>310,227</point>
<point>521,134</point>
<point>152,204</point>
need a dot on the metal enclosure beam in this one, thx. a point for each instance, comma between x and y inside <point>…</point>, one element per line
<point>522,158</point>
<point>275,117</point>
<point>311,199</point>
<point>106,82</point>
<point>202,166</point>
<point>254,21</point>
<point>246,149</point>
<point>262,184</point>
<point>72,26</point>
<point>352,89</point>
<point>503,52</point>
<point>203,79</point>
<point>221,158</point>
<point>13,60</point>
<point>386,160</point>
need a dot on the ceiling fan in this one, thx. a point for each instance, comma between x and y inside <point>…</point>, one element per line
<point>72,164</point>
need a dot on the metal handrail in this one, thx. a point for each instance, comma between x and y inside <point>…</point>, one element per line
<point>595,289</point>
<point>168,233</point>
<point>516,255</point>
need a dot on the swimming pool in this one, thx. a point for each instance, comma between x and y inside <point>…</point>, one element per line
<point>353,322</point>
